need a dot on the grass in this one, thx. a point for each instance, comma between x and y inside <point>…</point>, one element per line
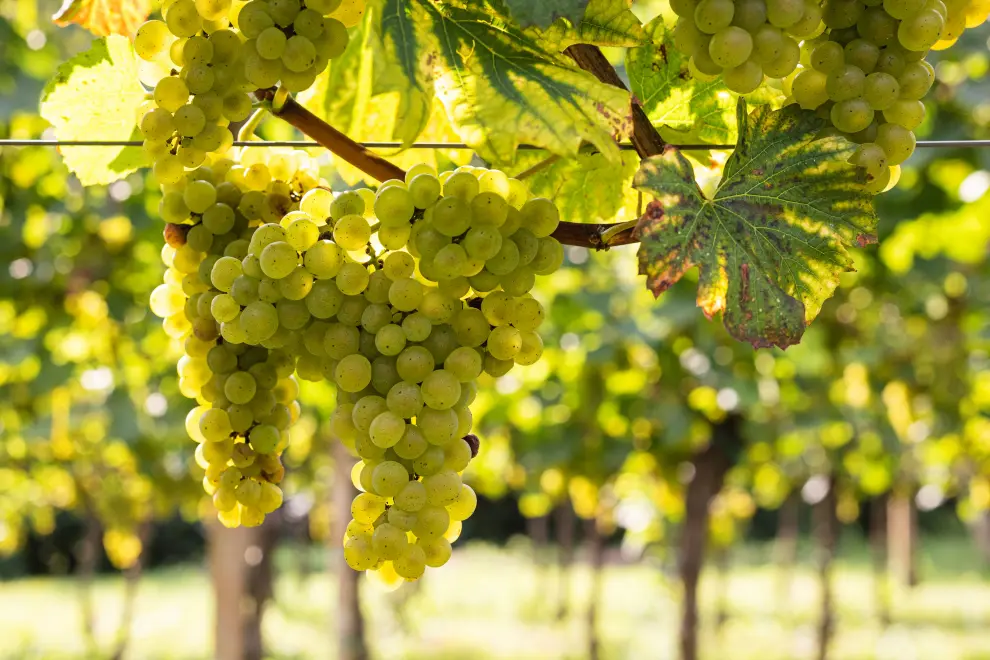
<point>497,603</point>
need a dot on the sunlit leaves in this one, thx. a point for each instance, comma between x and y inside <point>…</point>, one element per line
<point>96,96</point>
<point>605,23</point>
<point>773,240</point>
<point>104,17</point>
<point>499,85</point>
<point>544,12</point>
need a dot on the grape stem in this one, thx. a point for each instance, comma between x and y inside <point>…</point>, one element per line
<point>569,233</point>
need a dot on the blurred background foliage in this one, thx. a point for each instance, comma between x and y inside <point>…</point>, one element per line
<point>882,412</point>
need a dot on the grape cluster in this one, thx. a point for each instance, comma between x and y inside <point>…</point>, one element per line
<point>446,299</point>
<point>744,40</point>
<point>210,55</point>
<point>238,372</point>
<point>859,63</point>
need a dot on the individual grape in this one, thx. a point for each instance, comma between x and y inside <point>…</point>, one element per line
<point>845,83</point>
<point>841,14</point>
<point>531,349</point>
<point>687,38</point>
<point>412,563</point>
<point>784,13</point>
<point>915,81</point>
<point>394,206</point>
<point>768,43</point>
<point>353,373</point>
<point>809,90</point>
<point>436,551</point>
<point>862,54</point>
<point>810,23</point>
<point>183,19</point>
<point>742,79</point>
<point>431,522</point>
<point>151,39</point>
<point>785,63</point>
<point>441,389</point>
<point>442,488</point>
<point>880,90</point>
<point>299,54</point>
<point>278,259</point>
<point>851,115</point>
<point>259,321</point>
<point>896,141</point>
<point>828,57</point>
<point>729,48</point>
<point>389,478</point>
<point>504,342</point>
<point>901,9</point>
<point>389,541</point>
<point>463,506</point>
<point>352,232</point>
<point>905,112</point>
<point>713,15</point>
<point>750,15</point>
<point>920,31</point>
<point>877,26</point>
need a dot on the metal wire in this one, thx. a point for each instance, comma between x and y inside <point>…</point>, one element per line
<point>922,144</point>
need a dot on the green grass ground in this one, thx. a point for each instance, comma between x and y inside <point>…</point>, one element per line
<point>496,603</point>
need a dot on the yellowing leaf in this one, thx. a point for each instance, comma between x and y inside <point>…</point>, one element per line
<point>499,85</point>
<point>772,241</point>
<point>104,17</point>
<point>96,96</point>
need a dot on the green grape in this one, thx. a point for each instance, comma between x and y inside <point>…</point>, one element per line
<point>394,206</point>
<point>157,124</point>
<point>171,93</point>
<point>436,551</point>
<point>687,38</point>
<point>199,196</point>
<point>845,83</point>
<point>457,455</point>
<point>219,218</point>
<point>901,9</point>
<point>405,400</point>
<point>920,31</point>
<point>504,342</point>
<point>183,19</point>
<point>351,310</point>
<point>841,14</point>
<point>367,507</point>
<point>270,44</point>
<point>785,63</point>
<point>414,364</point>
<point>870,157</point>
<point>341,340</point>
<point>190,120</point>
<point>412,497</point>
<point>296,285</point>
<point>439,427</point>
<point>750,15</point>
<point>199,78</point>
<point>729,48</point>
<point>366,410</point>
<point>877,26</point>
<point>324,260</point>
<point>278,259</point>
<point>412,563</point>
<point>390,340</point>
<point>353,373</point>
<point>526,313</point>
<point>540,215</point>
<point>352,278</point>
<point>225,271</point>
<point>224,308</point>
<point>505,261</point>
<point>352,232</point>
<point>431,460</point>
<point>896,141</point>
<point>915,81</point>
<point>890,61</point>
<point>905,112</point>
<point>405,294</point>
<point>463,185</point>
<point>464,363</point>
<point>359,553</point>
<point>240,387</point>
<point>389,478</point>
<point>851,115</point>
<point>151,39</point>
<point>742,79</point>
<point>768,44</point>
<point>464,503</point>
<point>431,522</point>
<point>683,8</point>
<point>417,326</point>
<point>375,317</point>
<point>862,54</point>
<point>437,307</point>
<point>450,261</point>
<point>880,90</point>
<point>441,389</point>
<point>442,488</point>
<point>784,13</point>
<point>713,15</point>
<point>810,23</point>
<point>299,54</point>
<point>471,327</point>
<point>389,541</point>
<point>402,519</point>
<point>214,425</point>
<point>451,216</point>
<point>489,209</point>
<point>302,234</point>
<point>809,90</point>
<point>531,349</point>
<point>259,321</point>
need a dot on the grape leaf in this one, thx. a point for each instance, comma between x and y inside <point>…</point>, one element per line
<point>670,94</point>
<point>544,12</point>
<point>499,85</point>
<point>104,17</point>
<point>96,96</point>
<point>605,23</point>
<point>772,241</point>
<point>589,188</point>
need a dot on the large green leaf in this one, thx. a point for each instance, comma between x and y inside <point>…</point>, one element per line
<point>544,12</point>
<point>605,23</point>
<point>682,106</point>
<point>772,241</point>
<point>96,96</point>
<point>499,85</point>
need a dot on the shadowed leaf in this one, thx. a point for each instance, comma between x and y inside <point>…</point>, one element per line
<point>773,240</point>
<point>605,23</point>
<point>544,12</point>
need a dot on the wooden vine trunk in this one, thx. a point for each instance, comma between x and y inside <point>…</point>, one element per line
<point>564,527</point>
<point>786,547</point>
<point>596,561</point>
<point>902,536</point>
<point>826,536</point>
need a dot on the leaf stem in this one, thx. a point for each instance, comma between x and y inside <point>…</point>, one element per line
<point>615,230</point>
<point>569,233</point>
<point>250,125</point>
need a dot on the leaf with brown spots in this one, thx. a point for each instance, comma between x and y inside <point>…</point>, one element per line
<point>772,241</point>
<point>104,17</point>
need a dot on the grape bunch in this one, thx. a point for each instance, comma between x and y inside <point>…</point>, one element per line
<point>407,333</point>
<point>210,55</point>
<point>744,40</point>
<point>241,378</point>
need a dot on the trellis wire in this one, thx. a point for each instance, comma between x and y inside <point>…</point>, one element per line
<point>922,144</point>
